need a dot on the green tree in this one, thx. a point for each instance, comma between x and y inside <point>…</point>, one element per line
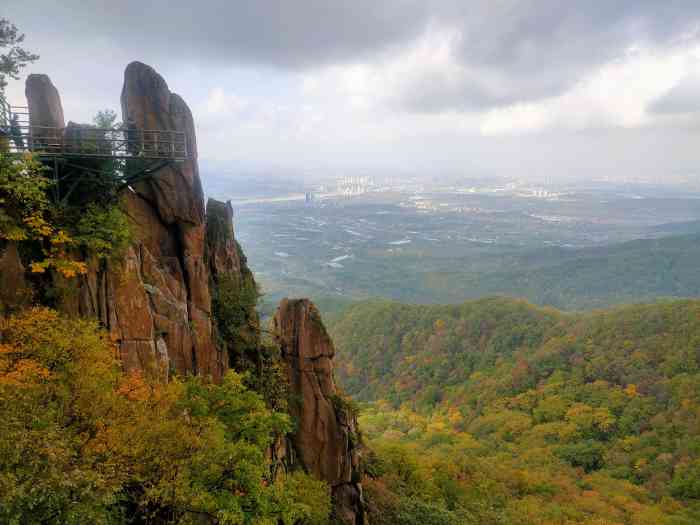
<point>14,57</point>
<point>105,119</point>
<point>84,442</point>
<point>27,216</point>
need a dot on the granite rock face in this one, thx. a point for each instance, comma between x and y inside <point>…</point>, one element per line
<point>148,104</point>
<point>46,118</point>
<point>326,438</point>
<point>15,292</point>
<point>225,258</point>
<point>156,300</point>
<point>45,108</point>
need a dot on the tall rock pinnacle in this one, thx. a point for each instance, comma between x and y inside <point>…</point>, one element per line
<point>157,299</point>
<point>148,104</point>
<point>326,438</point>
<point>46,118</point>
<point>45,108</point>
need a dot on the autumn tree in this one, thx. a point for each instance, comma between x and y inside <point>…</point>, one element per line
<point>84,442</point>
<point>28,216</point>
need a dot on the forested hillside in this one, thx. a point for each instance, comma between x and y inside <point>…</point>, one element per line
<point>637,271</point>
<point>497,411</point>
<point>83,441</point>
<point>643,270</point>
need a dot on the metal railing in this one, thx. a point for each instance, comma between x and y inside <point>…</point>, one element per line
<point>86,141</point>
<point>82,141</point>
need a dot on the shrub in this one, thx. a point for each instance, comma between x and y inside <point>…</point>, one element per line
<point>104,231</point>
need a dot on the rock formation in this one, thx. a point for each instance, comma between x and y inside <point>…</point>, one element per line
<point>46,119</point>
<point>325,440</point>
<point>232,279</point>
<point>225,255</point>
<point>159,298</point>
<point>156,300</point>
<point>44,102</point>
<point>14,289</point>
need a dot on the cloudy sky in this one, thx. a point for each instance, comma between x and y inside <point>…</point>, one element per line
<point>534,88</point>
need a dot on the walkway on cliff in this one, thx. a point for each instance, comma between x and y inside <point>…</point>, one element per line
<point>20,135</point>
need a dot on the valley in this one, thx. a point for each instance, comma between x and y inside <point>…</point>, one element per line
<point>447,244</point>
<point>352,263</point>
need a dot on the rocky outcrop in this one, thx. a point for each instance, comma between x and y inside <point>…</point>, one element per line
<point>325,439</point>
<point>15,292</point>
<point>224,253</point>
<point>148,104</point>
<point>45,108</point>
<point>175,194</point>
<point>234,292</point>
<point>155,299</point>
<point>181,297</point>
<point>46,119</point>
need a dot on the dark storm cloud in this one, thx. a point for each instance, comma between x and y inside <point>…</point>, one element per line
<point>281,33</point>
<point>539,48</point>
<point>508,50</point>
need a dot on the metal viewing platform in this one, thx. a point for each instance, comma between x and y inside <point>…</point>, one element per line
<point>79,141</point>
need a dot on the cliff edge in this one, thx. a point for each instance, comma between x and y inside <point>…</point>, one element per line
<point>181,298</point>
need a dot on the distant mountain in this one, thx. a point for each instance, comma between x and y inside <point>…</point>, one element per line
<point>636,271</point>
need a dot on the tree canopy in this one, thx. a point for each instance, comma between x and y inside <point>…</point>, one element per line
<point>499,412</point>
<point>13,57</point>
<point>84,442</point>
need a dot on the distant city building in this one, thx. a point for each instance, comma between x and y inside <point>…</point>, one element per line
<point>354,185</point>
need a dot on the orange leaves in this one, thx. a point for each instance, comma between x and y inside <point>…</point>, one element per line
<point>631,390</point>
<point>27,215</point>
<point>6,350</point>
<point>66,267</point>
<point>134,387</point>
<point>35,317</point>
<point>28,370</point>
<point>38,226</point>
<point>19,371</point>
<point>57,254</point>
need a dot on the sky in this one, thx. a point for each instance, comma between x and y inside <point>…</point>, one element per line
<point>543,89</point>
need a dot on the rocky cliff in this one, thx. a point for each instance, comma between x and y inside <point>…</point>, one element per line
<point>181,297</point>
<point>156,300</point>
<point>326,438</point>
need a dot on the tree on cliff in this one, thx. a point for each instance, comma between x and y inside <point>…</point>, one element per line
<point>82,441</point>
<point>15,57</point>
